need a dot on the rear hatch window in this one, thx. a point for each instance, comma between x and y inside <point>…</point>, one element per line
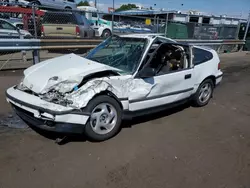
<point>59,18</point>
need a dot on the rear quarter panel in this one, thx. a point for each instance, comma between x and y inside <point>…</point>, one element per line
<point>206,69</point>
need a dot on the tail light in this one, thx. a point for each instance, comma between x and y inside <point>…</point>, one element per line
<point>42,30</point>
<point>77,30</point>
<point>218,66</point>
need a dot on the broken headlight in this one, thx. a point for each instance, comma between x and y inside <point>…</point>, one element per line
<point>56,97</point>
<point>20,86</point>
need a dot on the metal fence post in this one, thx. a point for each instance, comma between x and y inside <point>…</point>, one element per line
<point>237,31</point>
<point>113,17</point>
<point>157,22</point>
<point>34,19</point>
<point>248,22</point>
<point>166,26</point>
<point>35,53</point>
<point>36,56</point>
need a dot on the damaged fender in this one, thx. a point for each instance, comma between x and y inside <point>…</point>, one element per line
<point>121,88</point>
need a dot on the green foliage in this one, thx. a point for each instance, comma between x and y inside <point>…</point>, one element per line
<point>83,3</point>
<point>126,7</point>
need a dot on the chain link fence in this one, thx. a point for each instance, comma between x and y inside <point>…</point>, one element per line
<point>58,26</point>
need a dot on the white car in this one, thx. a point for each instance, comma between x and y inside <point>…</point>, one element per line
<point>9,30</point>
<point>122,77</point>
<point>139,29</point>
<point>60,4</point>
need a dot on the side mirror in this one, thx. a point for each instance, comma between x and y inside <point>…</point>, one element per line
<point>18,29</point>
<point>147,72</point>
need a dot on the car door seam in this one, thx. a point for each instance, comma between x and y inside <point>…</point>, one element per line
<point>163,95</point>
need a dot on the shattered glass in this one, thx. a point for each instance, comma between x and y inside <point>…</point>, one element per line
<point>120,52</point>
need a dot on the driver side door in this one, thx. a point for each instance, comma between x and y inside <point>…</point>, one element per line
<point>157,90</point>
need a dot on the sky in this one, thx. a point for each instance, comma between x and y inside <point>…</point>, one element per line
<point>218,7</point>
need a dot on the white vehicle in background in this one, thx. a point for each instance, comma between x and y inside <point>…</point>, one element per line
<point>17,22</point>
<point>14,2</point>
<point>124,76</point>
<point>60,4</point>
<point>104,27</point>
<point>139,29</point>
<point>8,30</point>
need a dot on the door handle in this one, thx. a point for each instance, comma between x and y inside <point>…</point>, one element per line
<point>188,76</point>
<point>59,28</point>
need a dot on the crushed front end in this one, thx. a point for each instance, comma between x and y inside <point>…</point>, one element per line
<point>46,115</point>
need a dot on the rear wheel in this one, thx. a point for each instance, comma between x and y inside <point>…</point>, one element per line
<point>105,119</point>
<point>35,3</point>
<point>204,93</point>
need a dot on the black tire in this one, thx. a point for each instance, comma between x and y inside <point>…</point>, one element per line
<point>197,102</point>
<point>106,33</point>
<point>35,3</point>
<point>88,130</point>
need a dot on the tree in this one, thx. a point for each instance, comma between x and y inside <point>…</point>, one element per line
<point>126,7</point>
<point>83,3</point>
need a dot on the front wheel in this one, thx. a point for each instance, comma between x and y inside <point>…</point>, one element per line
<point>105,119</point>
<point>203,93</point>
<point>106,33</point>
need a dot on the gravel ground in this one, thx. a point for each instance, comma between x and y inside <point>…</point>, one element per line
<point>184,147</point>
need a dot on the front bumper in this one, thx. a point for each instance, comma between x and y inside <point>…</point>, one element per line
<point>45,115</point>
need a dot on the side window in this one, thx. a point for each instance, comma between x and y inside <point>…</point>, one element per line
<point>20,26</point>
<point>6,25</point>
<point>166,58</point>
<point>201,56</point>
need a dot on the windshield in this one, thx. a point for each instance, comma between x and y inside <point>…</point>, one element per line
<point>82,19</point>
<point>119,52</point>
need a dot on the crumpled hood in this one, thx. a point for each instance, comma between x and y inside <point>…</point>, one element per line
<point>70,68</point>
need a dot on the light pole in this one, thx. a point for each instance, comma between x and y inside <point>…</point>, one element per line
<point>166,26</point>
<point>248,22</point>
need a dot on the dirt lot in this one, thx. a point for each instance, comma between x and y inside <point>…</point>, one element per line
<point>186,147</point>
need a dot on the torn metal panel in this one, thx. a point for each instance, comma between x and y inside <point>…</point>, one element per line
<point>122,87</point>
<point>83,95</point>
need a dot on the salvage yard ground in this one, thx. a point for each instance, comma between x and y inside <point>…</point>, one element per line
<point>185,147</point>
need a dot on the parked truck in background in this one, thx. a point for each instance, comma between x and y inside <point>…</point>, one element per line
<point>104,27</point>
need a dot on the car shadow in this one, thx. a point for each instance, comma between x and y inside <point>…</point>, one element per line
<point>59,139</point>
<point>156,115</point>
<point>62,139</point>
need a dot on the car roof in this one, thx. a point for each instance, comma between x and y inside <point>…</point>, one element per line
<point>150,37</point>
<point>140,35</point>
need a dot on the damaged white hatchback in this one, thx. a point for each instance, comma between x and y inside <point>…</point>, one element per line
<point>122,77</point>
